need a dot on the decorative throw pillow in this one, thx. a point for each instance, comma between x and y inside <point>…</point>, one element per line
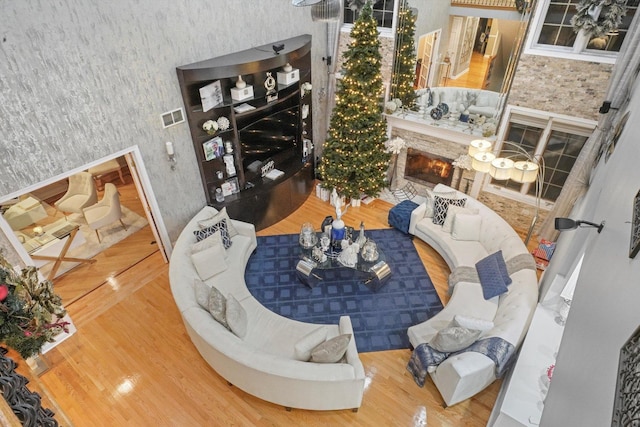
<point>466,227</point>
<point>452,211</point>
<point>454,338</point>
<point>473,323</point>
<point>482,100</point>
<point>214,240</point>
<point>430,196</point>
<point>441,205</point>
<point>331,351</point>
<point>202,291</point>
<point>493,275</point>
<point>217,306</point>
<point>236,317</point>
<point>302,349</point>
<point>220,226</point>
<point>216,218</point>
<point>209,262</point>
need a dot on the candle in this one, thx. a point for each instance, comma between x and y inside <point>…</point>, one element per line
<point>169,146</point>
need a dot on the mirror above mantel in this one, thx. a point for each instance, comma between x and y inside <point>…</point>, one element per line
<point>465,57</point>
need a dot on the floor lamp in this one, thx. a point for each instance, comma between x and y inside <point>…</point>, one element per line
<point>517,165</point>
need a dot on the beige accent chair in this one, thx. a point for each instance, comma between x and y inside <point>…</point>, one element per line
<point>106,211</point>
<point>100,171</point>
<point>80,194</point>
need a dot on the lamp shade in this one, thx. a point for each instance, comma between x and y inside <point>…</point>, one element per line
<point>481,162</point>
<point>479,146</point>
<point>524,172</point>
<point>501,168</point>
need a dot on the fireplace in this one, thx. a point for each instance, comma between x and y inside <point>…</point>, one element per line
<point>427,168</point>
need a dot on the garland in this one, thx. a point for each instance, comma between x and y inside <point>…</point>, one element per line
<point>599,17</point>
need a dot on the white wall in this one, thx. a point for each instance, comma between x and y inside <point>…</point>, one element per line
<point>80,79</point>
<point>605,309</point>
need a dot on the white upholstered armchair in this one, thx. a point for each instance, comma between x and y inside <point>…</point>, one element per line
<point>80,194</point>
<point>106,211</point>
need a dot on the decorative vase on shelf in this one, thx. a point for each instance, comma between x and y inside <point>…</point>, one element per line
<point>240,84</point>
<point>287,68</point>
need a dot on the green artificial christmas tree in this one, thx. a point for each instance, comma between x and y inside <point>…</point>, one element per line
<point>405,57</point>
<point>354,160</point>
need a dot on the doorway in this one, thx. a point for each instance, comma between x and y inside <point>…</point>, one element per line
<point>428,47</point>
<point>111,248</point>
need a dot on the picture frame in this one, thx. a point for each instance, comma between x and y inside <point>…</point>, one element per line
<point>634,244</point>
<point>211,95</point>
<point>234,185</point>
<point>213,148</point>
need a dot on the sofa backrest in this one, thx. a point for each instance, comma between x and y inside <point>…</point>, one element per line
<point>496,233</point>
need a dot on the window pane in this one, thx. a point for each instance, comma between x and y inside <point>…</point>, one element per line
<point>556,29</point>
<point>611,42</point>
<point>382,12</point>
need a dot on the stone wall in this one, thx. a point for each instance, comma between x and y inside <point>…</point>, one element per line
<point>564,86</point>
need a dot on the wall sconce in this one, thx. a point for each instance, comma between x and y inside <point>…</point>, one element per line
<point>566,224</point>
<point>171,155</point>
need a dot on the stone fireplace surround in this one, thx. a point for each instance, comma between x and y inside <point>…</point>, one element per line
<point>451,144</point>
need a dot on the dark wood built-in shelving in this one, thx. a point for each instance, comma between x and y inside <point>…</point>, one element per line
<point>273,130</point>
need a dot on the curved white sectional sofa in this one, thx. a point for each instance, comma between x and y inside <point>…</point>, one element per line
<point>464,374</point>
<point>262,363</point>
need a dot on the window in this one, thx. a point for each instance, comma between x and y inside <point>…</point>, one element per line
<point>558,139</point>
<point>554,33</point>
<point>383,12</point>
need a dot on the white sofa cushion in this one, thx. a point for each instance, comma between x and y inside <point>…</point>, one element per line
<point>236,317</point>
<point>302,348</point>
<point>209,262</point>
<point>452,211</point>
<point>466,227</point>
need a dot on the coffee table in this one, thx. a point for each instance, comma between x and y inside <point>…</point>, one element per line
<point>311,272</point>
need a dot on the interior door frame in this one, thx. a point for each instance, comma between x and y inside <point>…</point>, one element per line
<point>143,186</point>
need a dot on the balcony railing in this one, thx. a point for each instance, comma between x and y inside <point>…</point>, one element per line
<point>499,4</point>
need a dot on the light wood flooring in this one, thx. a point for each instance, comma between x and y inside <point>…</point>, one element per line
<point>474,78</point>
<point>131,362</point>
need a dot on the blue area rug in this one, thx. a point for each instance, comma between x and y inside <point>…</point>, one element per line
<point>380,319</point>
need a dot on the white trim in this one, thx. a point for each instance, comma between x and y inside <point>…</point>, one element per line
<point>543,119</point>
<point>164,245</point>
<point>531,46</point>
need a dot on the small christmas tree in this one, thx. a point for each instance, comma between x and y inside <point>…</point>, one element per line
<point>354,160</point>
<point>405,57</point>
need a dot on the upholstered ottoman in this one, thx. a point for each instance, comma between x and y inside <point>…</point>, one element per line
<point>400,215</point>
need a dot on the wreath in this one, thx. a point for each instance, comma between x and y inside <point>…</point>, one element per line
<point>599,17</point>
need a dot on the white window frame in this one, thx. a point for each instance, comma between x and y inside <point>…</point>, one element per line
<point>579,51</point>
<point>576,125</point>
<point>383,31</point>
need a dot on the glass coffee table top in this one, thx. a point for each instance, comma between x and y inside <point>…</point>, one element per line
<point>314,263</point>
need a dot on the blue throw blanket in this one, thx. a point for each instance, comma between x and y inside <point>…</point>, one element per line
<point>425,358</point>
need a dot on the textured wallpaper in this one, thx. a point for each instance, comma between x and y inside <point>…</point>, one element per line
<point>82,79</point>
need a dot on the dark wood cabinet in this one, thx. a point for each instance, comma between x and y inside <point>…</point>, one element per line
<point>276,126</point>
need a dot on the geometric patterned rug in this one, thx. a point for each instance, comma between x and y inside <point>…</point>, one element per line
<point>380,319</point>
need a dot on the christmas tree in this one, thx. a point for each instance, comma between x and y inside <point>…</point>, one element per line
<point>354,160</point>
<point>405,57</point>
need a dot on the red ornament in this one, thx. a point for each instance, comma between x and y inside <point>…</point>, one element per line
<point>4,291</point>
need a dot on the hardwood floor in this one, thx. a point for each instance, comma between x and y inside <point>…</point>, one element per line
<point>474,78</point>
<point>132,363</point>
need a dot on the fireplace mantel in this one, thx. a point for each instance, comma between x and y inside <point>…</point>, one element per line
<point>442,129</point>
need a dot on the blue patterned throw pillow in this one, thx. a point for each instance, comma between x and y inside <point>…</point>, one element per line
<point>220,226</point>
<point>441,206</point>
<point>494,278</point>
